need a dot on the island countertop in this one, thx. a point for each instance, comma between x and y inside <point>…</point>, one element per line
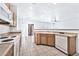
<point>4,48</point>
<point>57,33</point>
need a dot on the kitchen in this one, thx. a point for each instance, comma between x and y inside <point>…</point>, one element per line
<point>54,30</point>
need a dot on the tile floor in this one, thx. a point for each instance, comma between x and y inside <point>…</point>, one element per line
<point>30,49</point>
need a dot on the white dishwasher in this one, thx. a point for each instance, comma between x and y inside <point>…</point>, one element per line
<point>61,43</point>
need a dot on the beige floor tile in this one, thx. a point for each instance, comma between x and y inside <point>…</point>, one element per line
<point>29,48</point>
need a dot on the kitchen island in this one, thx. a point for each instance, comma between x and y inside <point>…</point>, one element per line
<point>63,41</point>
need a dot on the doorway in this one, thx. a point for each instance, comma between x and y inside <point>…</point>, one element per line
<point>30,29</point>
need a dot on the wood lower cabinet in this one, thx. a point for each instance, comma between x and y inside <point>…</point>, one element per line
<point>10,52</point>
<point>13,9</point>
<point>51,39</point>
<point>46,39</point>
<point>66,44</point>
<point>71,45</point>
<point>37,38</point>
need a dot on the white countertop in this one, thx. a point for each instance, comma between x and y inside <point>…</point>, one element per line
<point>56,33</point>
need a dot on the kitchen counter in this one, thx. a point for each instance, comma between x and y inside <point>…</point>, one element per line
<point>64,41</point>
<point>4,48</point>
<point>58,33</point>
<point>13,33</point>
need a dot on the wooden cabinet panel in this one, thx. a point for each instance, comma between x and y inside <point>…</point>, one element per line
<point>71,45</point>
<point>51,39</point>
<point>10,52</point>
<point>13,9</point>
<point>44,39</point>
<point>37,38</point>
<point>14,19</point>
<point>8,5</point>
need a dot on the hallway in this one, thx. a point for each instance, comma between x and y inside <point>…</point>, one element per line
<point>30,49</point>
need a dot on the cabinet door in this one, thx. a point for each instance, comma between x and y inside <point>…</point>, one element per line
<point>4,12</point>
<point>44,39</point>
<point>14,19</point>
<point>61,43</point>
<point>51,39</point>
<point>37,38</point>
<point>10,52</point>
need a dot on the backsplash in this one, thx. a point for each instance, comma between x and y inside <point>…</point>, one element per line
<point>4,29</point>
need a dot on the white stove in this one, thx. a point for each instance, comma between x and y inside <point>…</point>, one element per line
<point>7,39</point>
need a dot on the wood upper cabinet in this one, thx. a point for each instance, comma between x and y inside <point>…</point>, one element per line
<point>8,5</point>
<point>5,14</point>
<point>13,10</point>
<point>14,19</point>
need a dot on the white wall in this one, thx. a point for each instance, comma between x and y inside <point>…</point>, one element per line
<point>38,14</point>
<point>41,25</point>
<point>23,25</point>
<point>68,19</point>
<point>36,11</point>
<point>68,15</point>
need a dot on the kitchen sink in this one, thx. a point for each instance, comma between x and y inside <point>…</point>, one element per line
<point>7,40</point>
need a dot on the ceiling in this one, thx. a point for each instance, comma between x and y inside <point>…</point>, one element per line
<point>48,11</point>
<point>33,11</point>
